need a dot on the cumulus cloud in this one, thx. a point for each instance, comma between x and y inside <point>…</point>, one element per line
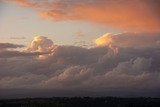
<point>40,44</point>
<point>136,40</point>
<point>105,39</point>
<point>43,45</point>
<point>95,71</point>
<point>125,14</point>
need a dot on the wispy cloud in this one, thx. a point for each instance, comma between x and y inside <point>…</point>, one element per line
<point>17,38</point>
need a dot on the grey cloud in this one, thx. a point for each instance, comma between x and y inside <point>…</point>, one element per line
<point>72,71</point>
<point>8,50</point>
<point>81,71</point>
<point>9,46</point>
<point>10,54</point>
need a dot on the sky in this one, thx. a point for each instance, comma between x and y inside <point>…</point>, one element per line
<point>22,22</point>
<point>79,48</point>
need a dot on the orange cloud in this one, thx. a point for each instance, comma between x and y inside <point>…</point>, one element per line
<point>104,40</point>
<point>25,3</point>
<point>132,40</point>
<point>135,15</point>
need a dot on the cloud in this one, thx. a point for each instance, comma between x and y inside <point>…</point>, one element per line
<point>40,44</point>
<point>25,3</point>
<point>43,45</point>
<point>95,71</point>
<point>136,40</point>
<point>17,38</point>
<point>11,54</point>
<point>124,14</point>
<point>4,46</point>
<point>71,76</point>
<point>8,50</point>
<point>104,40</point>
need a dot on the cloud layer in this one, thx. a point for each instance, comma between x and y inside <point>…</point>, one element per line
<point>97,71</point>
<point>135,15</point>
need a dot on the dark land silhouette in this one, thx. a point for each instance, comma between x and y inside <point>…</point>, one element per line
<point>81,102</point>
